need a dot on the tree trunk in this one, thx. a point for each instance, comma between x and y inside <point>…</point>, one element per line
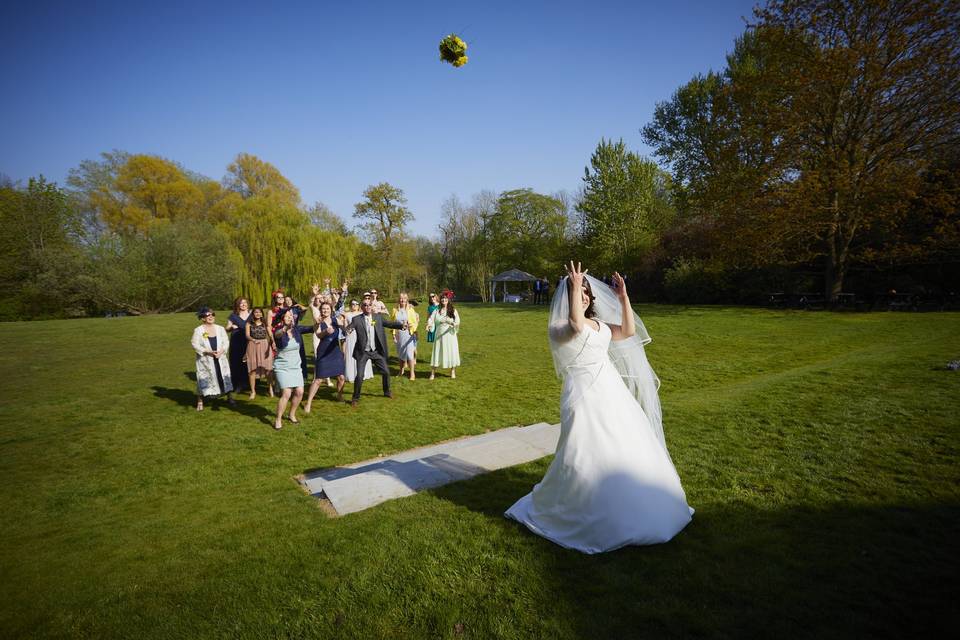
<point>833,279</point>
<point>836,255</point>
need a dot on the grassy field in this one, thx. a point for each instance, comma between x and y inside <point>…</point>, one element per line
<point>819,450</point>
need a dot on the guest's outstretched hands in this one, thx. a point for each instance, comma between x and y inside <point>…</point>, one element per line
<point>619,286</point>
<point>315,289</point>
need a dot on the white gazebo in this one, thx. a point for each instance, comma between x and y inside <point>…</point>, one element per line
<point>511,275</point>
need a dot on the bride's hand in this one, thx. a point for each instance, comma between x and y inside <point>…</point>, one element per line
<point>576,275</point>
<point>619,286</point>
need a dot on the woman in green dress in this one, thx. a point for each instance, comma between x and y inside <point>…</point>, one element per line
<point>445,323</point>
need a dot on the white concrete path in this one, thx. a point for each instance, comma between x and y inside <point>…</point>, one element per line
<point>362,485</point>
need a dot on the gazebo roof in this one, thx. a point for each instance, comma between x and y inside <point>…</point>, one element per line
<point>513,275</point>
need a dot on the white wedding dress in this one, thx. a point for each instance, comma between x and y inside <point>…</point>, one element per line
<point>612,482</point>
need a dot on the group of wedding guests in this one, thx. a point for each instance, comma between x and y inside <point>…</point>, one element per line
<point>349,341</point>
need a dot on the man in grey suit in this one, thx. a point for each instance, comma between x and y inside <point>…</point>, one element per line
<point>371,345</point>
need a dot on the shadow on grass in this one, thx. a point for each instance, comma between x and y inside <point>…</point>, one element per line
<point>188,398</point>
<point>741,569</point>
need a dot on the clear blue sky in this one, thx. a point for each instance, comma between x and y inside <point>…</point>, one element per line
<point>341,95</point>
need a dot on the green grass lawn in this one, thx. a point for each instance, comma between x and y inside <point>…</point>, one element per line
<point>819,450</point>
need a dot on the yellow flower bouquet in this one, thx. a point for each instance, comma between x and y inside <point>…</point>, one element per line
<point>453,50</point>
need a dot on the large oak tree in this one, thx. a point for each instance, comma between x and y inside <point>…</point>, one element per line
<point>819,130</point>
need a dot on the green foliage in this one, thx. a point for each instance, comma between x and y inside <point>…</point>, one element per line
<point>529,231</point>
<point>385,217</point>
<point>170,267</point>
<point>271,240</point>
<point>691,281</point>
<point>519,229</point>
<point>278,246</point>
<point>624,207</point>
<point>39,236</point>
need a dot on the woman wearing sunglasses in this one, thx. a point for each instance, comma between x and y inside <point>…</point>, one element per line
<point>210,343</point>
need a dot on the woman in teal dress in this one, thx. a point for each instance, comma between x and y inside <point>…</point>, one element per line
<point>433,306</point>
<point>287,365</point>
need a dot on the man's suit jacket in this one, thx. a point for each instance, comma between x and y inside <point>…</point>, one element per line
<point>359,324</point>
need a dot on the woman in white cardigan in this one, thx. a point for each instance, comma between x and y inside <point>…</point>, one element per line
<point>213,367</point>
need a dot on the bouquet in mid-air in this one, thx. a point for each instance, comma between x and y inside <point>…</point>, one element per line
<point>453,50</point>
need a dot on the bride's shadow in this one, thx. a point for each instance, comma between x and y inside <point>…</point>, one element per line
<point>742,569</point>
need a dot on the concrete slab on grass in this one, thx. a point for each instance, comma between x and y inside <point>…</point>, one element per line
<point>362,485</point>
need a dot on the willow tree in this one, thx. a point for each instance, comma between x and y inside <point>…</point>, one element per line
<point>279,246</point>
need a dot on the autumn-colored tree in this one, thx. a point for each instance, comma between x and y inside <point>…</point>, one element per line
<point>128,193</point>
<point>251,177</point>
<point>819,129</point>
<point>153,189</point>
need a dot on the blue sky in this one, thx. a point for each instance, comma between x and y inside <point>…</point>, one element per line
<point>341,95</point>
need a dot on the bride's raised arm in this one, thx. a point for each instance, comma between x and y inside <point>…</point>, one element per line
<point>627,326</point>
<point>574,293</point>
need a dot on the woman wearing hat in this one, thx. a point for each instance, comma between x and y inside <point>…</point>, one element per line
<point>213,366</point>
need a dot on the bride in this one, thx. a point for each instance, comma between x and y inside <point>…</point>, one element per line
<point>611,482</point>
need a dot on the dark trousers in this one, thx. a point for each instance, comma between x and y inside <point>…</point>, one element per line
<point>379,362</point>
<point>303,360</point>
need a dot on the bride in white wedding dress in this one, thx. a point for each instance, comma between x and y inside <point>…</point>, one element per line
<point>611,482</point>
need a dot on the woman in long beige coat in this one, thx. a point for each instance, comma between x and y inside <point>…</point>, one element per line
<point>210,343</point>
